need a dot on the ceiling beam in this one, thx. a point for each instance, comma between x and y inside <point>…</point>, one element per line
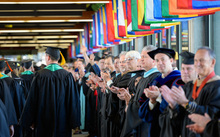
<point>39,34</point>
<point>64,45</point>
<point>42,13</point>
<point>52,1</point>
<point>42,7</point>
<point>38,37</point>
<point>86,17</point>
<point>40,30</point>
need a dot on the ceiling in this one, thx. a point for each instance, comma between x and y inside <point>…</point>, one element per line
<point>31,24</point>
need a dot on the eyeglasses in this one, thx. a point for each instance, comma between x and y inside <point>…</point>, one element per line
<point>122,62</point>
<point>129,59</point>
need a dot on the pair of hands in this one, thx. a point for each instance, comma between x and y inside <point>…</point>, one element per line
<point>200,122</point>
<point>122,93</point>
<point>173,96</point>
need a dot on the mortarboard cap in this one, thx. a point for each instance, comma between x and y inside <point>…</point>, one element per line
<point>168,52</point>
<point>53,51</point>
<point>188,57</point>
<point>27,63</point>
<point>56,53</point>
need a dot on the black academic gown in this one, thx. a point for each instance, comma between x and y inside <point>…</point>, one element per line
<point>17,91</point>
<point>4,125</point>
<point>91,121</point>
<point>132,121</point>
<point>208,101</point>
<point>116,107</point>
<point>53,105</point>
<point>158,118</point>
<point>27,79</point>
<point>212,129</point>
<point>7,100</point>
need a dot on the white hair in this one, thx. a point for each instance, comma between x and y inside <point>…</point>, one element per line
<point>149,48</point>
<point>122,53</point>
<point>133,54</point>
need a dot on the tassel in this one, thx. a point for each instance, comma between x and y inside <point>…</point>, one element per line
<point>9,66</point>
<point>176,56</point>
<point>63,61</point>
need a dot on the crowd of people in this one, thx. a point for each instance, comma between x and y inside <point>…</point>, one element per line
<point>130,95</point>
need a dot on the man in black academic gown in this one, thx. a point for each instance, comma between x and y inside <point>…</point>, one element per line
<point>188,74</point>
<point>17,94</point>
<point>116,102</point>
<point>52,108</point>
<point>5,97</point>
<point>27,75</point>
<point>154,110</point>
<point>4,130</point>
<point>199,96</point>
<point>132,121</point>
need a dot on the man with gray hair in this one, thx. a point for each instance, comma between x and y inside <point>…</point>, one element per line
<point>132,59</point>
<point>200,96</point>
<point>128,68</point>
<point>132,121</point>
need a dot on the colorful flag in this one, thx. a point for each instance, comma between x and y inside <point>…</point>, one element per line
<point>201,4</point>
<point>173,10</point>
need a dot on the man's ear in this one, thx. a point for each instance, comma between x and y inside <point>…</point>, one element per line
<point>213,63</point>
<point>171,60</point>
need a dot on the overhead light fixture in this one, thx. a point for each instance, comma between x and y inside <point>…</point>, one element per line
<point>13,31</point>
<point>11,45</point>
<point>36,41</point>
<point>63,2</point>
<point>39,37</point>
<point>42,30</point>
<point>39,21</point>
<point>33,21</point>
<point>35,45</point>
<point>12,21</point>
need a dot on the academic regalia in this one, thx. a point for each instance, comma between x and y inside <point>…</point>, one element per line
<point>53,105</point>
<point>158,115</point>
<point>208,101</point>
<point>212,129</point>
<point>4,125</point>
<point>8,102</point>
<point>17,94</point>
<point>27,77</point>
<point>132,121</point>
<point>116,107</point>
<point>91,98</point>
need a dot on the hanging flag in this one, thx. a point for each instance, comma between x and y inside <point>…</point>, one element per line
<point>148,15</point>
<point>70,51</point>
<point>101,27</point>
<point>202,4</point>
<point>90,36</point>
<point>129,25</point>
<point>121,20</point>
<point>173,10</point>
<point>110,23</point>
<point>93,31</point>
<point>77,46</point>
<point>104,25</point>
